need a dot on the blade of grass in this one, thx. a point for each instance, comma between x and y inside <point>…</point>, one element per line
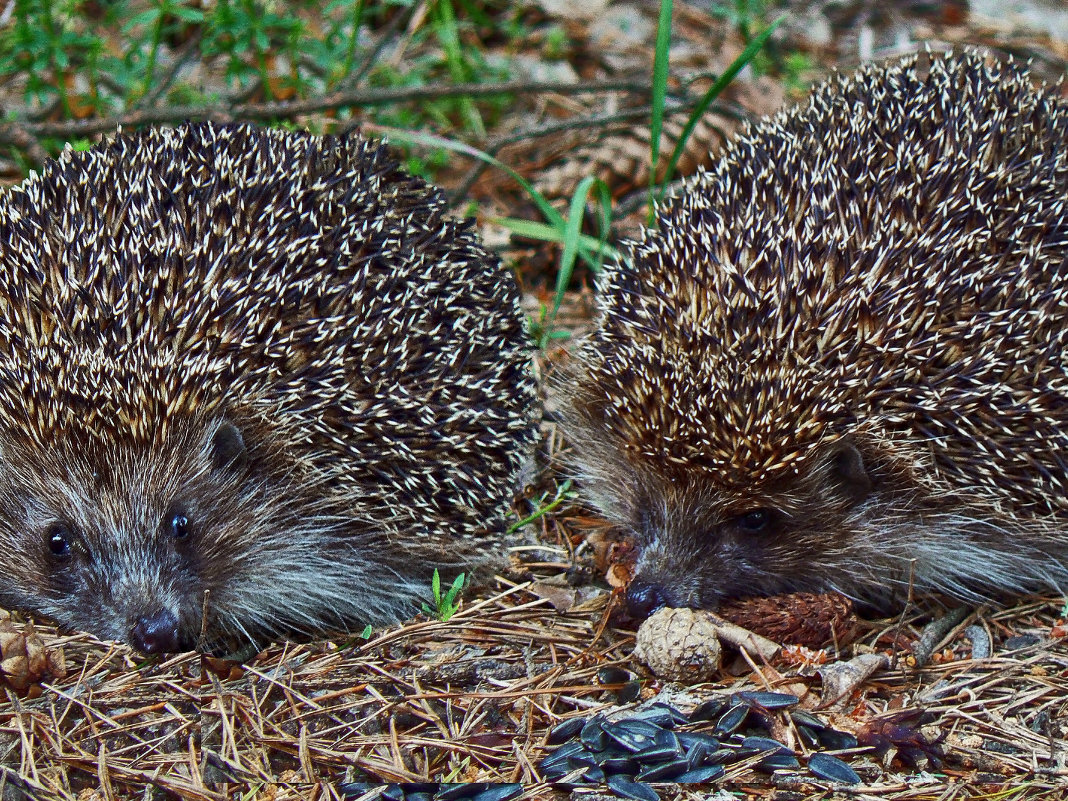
<point>432,140</point>
<point>714,91</point>
<point>661,61</point>
<point>562,494</point>
<point>588,246</point>
<point>572,232</point>
<point>546,233</point>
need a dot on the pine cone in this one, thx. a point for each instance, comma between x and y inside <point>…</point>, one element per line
<point>800,618</point>
<point>25,660</point>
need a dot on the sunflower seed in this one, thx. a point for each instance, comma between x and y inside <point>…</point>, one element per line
<point>769,700</point>
<point>708,773</point>
<point>663,772</point>
<point>565,730</point>
<point>834,740</point>
<point>625,788</point>
<point>709,710</point>
<point>786,761</point>
<point>732,719</point>
<point>832,768</point>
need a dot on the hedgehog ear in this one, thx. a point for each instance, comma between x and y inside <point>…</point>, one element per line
<point>228,447</point>
<point>849,472</point>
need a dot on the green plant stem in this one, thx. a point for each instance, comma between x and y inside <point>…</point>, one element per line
<point>713,92</point>
<point>354,36</point>
<point>561,496</point>
<point>57,70</point>
<point>153,52</point>
<point>661,61</point>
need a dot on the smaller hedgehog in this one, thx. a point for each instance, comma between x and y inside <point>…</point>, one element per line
<point>840,362</point>
<point>253,374</point>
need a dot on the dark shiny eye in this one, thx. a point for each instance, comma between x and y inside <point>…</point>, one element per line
<point>179,526</point>
<point>755,520</point>
<point>59,540</point>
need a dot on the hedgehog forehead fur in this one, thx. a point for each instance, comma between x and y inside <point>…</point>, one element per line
<point>893,247</point>
<point>369,351</point>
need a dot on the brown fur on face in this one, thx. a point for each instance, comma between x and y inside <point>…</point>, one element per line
<point>867,526</point>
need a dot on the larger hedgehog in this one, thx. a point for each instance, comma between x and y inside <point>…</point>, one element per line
<point>250,373</point>
<point>840,361</point>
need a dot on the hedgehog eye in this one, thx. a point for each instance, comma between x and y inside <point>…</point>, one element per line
<point>755,520</point>
<point>179,526</point>
<point>59,539</point>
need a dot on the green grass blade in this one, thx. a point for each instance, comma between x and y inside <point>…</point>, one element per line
<point>432,140</point>
<point>588,245</point>
<point>714,91</point>
<point>661,61</point>
<point>572,232</point>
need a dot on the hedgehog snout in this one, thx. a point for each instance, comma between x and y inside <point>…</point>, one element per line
<point>156,633</point>
<point>643,598</point>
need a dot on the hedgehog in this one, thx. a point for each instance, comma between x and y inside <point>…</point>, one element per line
<point>253,384</point>
<point>837,363</point>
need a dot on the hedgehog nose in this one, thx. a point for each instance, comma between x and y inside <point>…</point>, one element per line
<point>644,598</point>
<point>156,633</point>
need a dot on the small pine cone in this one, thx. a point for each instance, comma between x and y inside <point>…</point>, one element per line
<point>25,660</point>
<point>800,618</point>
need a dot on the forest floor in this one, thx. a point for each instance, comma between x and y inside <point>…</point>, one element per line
<point>474,699</point>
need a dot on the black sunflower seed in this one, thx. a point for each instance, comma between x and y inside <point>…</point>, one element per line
<point>503,791</point>
<point>691,738</point>
<point>709,773</point>
<point>676,715</point>
<point>803,718</point>
<point>832,768</point>
<point>808,737</point>
<point>614,675</point>
<point>561,754</point>
<point>765,744</point>
<point>629,692</point>
<point>709,710</point>
<point>633,735</point>
<point>592,734</point>
<point>455,792</point>
<point>658,716</point>
<point>625,788</point>
<point>594,775</point>
<point>663,772</point>
<point>721,756</point>
<point>732,720</point>
<point>565,730</point>
<point>584,759</point>
<point>769,700</point>
<point>355,789</point>
<point>785,761</point>
<point>834,740</point>
<point>621,764</point>
<point>553,773</point>
<point>668,738</point>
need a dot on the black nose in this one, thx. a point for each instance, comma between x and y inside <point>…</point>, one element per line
<point>156,633</point>
<point>644,598</point>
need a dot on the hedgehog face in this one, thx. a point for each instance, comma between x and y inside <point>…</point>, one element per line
<point>700,542</point>
<point>122,552</point>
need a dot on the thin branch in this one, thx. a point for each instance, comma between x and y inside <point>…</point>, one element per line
<point>536,132</point>
<point>15,132</point>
